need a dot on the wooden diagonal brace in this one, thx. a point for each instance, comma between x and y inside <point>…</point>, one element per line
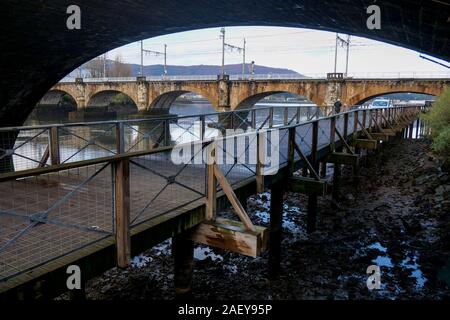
<point>344,142</point>
<point>237,206</point>
<point>364,130</point>
<point>308,164</point>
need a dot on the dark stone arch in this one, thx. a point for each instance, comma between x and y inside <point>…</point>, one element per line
<point>104,99</point>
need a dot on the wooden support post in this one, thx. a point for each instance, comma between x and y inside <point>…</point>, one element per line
<point>202,127</point>
<point>291,151</point>
<point>254,119</point>
<point>211,186</point>
<point>167,133</point>
<point>122,211</point>
<point>411,129</point>
<point>275,233</point>
<point>54,146</point>
<point>183,258</point>
<point>323,169</point>
<point>261,148</point>
<point>120,141</point>
<point>271,117</point>
<point>333,133</point>
<point>312,199</point>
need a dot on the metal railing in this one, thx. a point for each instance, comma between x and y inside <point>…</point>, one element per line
<point>50,211</point>
<point>275,76</point>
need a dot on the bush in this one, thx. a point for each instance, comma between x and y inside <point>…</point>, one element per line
<point>438,119</point>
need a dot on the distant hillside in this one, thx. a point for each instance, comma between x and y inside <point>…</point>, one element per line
<point>157,70</point>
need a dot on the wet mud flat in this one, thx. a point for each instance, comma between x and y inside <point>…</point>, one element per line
<point>396,218</point>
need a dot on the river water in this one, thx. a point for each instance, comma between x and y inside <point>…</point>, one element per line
<point>87,142</point>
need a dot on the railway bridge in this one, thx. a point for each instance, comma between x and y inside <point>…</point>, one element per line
<point>225,94</point>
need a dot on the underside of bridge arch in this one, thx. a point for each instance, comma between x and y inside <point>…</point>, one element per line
<point>363,98</point>
<point>113,101</point>
<point>250,101</point>
<point>36,41</point>
<point>57,98</point>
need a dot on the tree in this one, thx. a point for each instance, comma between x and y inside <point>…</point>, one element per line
<point>95,67</point>
<point>119,68</point>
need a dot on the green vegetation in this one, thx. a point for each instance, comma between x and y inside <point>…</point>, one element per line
<point>438,118</point>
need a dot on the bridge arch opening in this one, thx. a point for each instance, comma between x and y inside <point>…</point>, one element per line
<point>182,103</point>
<point>55,105</point>
<point>398,98</point>
<point>112,101</point>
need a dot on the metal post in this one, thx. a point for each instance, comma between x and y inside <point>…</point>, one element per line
<point>335,54</point>
<point>165,59</point>
<point>243,60</point>
<point>120,141</point>
<point>222,31</point>
<point>142,58</point>
<point>202,128</point>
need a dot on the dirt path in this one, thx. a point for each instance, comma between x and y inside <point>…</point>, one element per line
<point>398,218</point>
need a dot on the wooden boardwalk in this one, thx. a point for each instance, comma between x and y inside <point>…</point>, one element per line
<point>54,218</point>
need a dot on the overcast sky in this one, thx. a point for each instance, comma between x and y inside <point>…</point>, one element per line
<point>303,50</point>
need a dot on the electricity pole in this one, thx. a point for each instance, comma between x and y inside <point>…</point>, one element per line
<point>142,58</point>
<point>342,42</point>
<point>243,60</point>
<point>346,60</point>
<point>155,53</point>
<point>222,31</point>
<point>335,53</point>
<point>230,47</point>
<point>104,65</point>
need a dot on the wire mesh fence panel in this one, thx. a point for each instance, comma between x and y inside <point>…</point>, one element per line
<point>159,186</point>
<point>283,145</point>
<point>339,127</point>
<point>144,135</point>
<point>262,117</point>
<point>78,143</point>
<point>242,120</point>
<point>212,126</point>
<point>237,157</point>
<point>278,116</point>
<point>185,130</point>
<point>48,216</point>
<point>324,133</point>
<point>303,138</point>
<point>351,123</point>
<point>23,149</point>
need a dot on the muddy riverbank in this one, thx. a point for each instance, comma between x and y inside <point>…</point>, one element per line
<point>397,218</point>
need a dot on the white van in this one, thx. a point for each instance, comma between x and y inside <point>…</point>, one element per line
<point>380,103</point>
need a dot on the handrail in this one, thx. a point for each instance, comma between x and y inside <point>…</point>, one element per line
<point>117,157</point>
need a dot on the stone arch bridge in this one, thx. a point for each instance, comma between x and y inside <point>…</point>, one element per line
<point>226,94</point>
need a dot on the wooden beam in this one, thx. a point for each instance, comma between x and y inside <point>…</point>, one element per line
<point>369,144</point>
<point>231,235</point>
<point>45,157</point>
<point>211,186</point>
<point>122,212</point>
<point>343,158</point>
<point>307,185</point>
<point>380,136</point>
<point>237,206</point>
